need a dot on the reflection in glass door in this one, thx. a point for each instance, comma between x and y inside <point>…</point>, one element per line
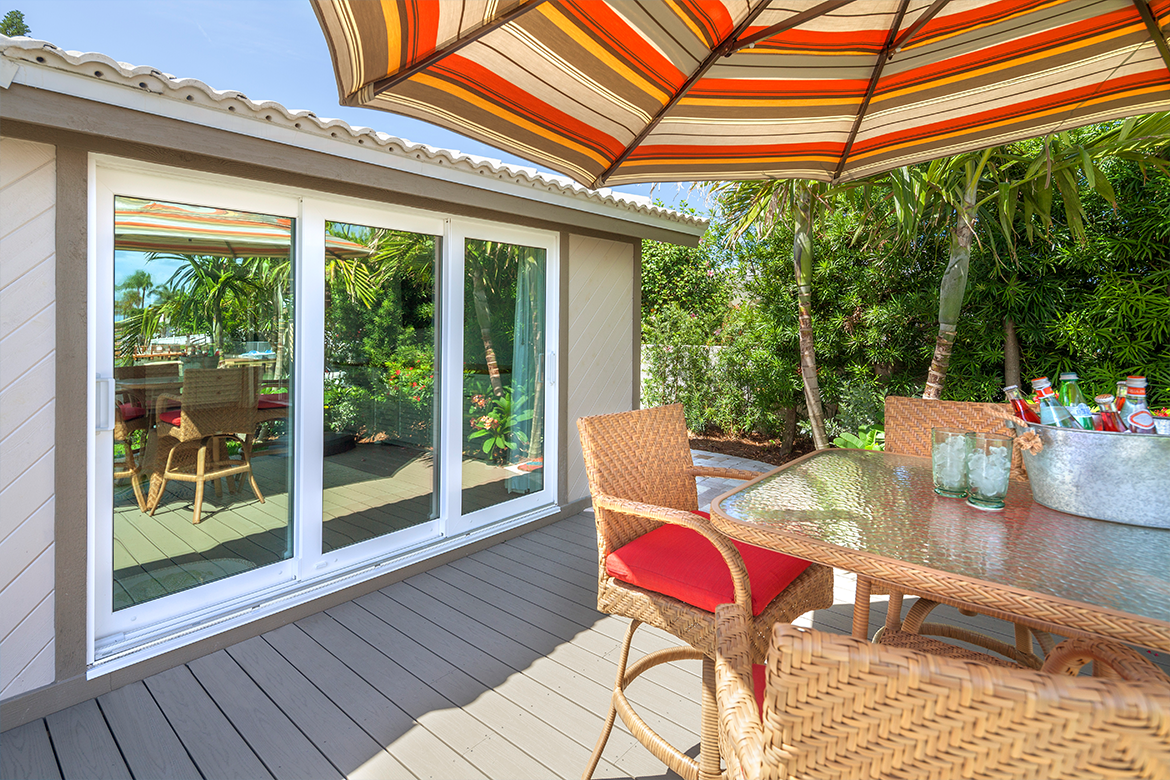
<point>504,344</point>
<point>203,337</point>
<point>380,472</point>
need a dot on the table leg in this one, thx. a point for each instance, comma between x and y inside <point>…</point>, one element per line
<point>894,612</point>
<point>861,607</point>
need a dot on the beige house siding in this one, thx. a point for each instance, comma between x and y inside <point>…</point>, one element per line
<point>601,299</point>
<point>27,413</point>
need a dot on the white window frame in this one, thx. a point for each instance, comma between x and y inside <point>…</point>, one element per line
<point>117,639</point>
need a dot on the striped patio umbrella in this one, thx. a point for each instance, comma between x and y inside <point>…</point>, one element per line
<point>151,226</point>
<point>695,90</point>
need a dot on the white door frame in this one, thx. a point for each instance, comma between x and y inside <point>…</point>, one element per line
<point>162,624</point>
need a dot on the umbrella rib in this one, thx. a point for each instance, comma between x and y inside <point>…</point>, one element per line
<point>873,82</point>
<point>919,23</point>
<point>1155,32</point>
<point>725,46</point>
<point>788,24</point>
<point>383,84</point>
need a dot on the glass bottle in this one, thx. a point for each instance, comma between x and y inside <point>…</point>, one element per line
<point>1119,401</point>
<point>1073,400</point>
<point>1110,419</point>
<point>1051,412</point>
<point>1135,399</point>
<point>1141,422</point>
<point>1024,410</point>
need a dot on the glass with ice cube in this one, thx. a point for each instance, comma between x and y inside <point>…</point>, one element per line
<point>989,464</point>
<point>948,461</point>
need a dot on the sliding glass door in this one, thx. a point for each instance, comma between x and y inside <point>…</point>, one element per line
<point>293,389</point>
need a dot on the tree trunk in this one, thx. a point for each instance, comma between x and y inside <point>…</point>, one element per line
<point>484,317</point>
<point>954,287</point>
<point>1011,354</point>
<point>802,263</point>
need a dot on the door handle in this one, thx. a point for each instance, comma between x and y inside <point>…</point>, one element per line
<point>104,398</point>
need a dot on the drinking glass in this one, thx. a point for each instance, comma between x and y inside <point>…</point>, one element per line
<point>948,461</point>
<point>989,464</point>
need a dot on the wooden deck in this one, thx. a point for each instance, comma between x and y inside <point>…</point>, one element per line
<point>496,665</point>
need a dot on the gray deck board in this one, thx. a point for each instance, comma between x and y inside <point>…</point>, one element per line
<point>84,745</point>
<point>212,742</point>
<point>284,749</point>
<point>26,751</point>
<point>131,712</point>
<point>352,751</point>
<point>495,665</point>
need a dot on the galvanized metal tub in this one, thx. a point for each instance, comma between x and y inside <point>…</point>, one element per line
<point>1121,477</point>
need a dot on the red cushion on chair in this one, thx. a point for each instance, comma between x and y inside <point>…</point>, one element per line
<point>273,401</point>
<point>172,417</point>
<point>131,411</point>
<point>760,685</point>
<point>676,561</point>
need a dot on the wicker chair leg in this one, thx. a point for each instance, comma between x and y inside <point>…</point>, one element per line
<point>608,727</point>
<point>709,734</point>
<point>200,469</point>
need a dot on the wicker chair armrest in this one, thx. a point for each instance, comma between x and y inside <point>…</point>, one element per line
<point>698,523</point>
<point>1070,655</point>
<point>714,471</point>
<point>741,735</point>
<point>165,401</point>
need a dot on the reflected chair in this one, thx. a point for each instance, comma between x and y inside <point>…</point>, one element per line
<point>130,418</point>
<point>908,424</point>
<point>217,406</point>
<point>661,562</point>
<point>835,706</point>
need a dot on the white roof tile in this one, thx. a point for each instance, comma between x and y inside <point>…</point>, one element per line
<point>144,78</point>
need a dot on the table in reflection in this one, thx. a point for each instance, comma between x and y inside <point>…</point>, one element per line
<point>876,514</point>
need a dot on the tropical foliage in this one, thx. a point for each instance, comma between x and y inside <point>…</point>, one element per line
<point>1071,272</point>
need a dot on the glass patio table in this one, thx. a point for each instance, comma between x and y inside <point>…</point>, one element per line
<point>876,514</point>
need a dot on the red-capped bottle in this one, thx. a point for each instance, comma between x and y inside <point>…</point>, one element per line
<point>1110,419</point>
<point>1020,404</point>
<point>1135,399</point>
<point>1051,411</point>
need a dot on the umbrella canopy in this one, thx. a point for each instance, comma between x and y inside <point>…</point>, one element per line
<point>151,226</point>
<point>694,90</point>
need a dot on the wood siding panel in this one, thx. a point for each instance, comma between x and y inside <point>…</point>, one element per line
<point>601,323</point>
<point>27,412</point>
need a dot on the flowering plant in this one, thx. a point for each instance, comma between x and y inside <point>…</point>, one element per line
<point>496,425</point>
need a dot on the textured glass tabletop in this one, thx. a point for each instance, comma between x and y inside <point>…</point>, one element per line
<point>881,504</point>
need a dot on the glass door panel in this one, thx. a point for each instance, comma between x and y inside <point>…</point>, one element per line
<point>380,403</point>
<point>203,335</point>
<point>503,399</point>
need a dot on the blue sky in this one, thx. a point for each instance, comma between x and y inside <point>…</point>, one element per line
<point>267,49</point>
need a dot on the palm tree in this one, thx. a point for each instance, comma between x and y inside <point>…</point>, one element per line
<point>140,284</point>
<point>760,205</point>
<point>996,187</point>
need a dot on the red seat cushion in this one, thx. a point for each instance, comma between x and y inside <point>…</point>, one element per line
<point>760,685</point>
<point>131,411</point>
<point>676,561</point>
<point>172,417</point>
<point>273,401</point>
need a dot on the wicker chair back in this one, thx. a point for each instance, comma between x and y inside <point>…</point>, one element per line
<point>840,707</point>
<point>909,420</point>
<point>219,401</point>
<point>644,456</point>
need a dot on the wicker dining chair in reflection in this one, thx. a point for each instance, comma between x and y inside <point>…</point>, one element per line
<point>130,419</point>
<point>836,706</point>
<point>217,406</point>
<point>908,422</point>
<point>662,563</point>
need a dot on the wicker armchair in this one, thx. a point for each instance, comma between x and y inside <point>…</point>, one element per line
<point>642,481</point>
<point>216,405</point>
<point>839,707</point>
<point>908,422</point>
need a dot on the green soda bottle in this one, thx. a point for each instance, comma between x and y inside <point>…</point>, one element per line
<point>1072,399</point>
